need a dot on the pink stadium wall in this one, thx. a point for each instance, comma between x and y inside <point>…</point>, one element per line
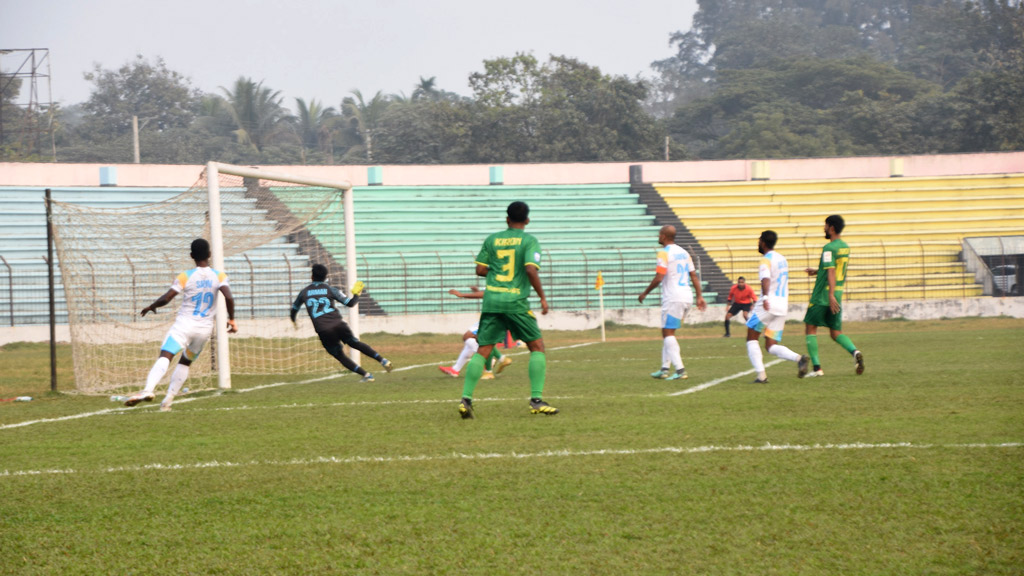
<point>37,174</point>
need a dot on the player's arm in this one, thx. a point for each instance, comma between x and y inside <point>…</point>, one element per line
<point>296,306</point>
<point>161,301</point>
<point>482,269</point>
<point>533,273</point>
<point>833,304</point>
<point>340,296</point>
<point>658,277</point>
<point>811,271</point>
<point>766,283</point>
<point>701,304</point>
<point>659,274</point>
<point>229,303</point>
<point>474,292</point>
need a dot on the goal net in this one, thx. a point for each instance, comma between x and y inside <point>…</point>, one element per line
<point>265,231</point>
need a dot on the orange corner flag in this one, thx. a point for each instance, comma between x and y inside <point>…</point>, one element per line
<point>600,281</point>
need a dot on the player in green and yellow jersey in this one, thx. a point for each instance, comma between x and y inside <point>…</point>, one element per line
<point>825,307</point>
<point>510,260</point>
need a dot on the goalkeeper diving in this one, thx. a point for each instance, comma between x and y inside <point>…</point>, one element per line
<point>320,299</point>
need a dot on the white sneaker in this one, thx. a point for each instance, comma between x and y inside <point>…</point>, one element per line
<point>165,406</point>
<point>139,397</point>
<point>814,374</point>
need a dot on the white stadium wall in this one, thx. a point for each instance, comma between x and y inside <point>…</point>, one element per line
<point>45,174</point>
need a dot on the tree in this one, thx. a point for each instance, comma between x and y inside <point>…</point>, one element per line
<point>315,126</point>
<point>159,97</point>
<point>256,111</point>
<point>561,111</point>
<point>364,118</point>
<point>426,89</point>
<point>819,107</point>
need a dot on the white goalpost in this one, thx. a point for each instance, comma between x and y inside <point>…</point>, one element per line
<point>213,170</point>
<point>266,229</point>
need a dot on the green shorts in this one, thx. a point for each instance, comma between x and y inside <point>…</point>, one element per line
<point>522,325</point>
<point>821,315</point>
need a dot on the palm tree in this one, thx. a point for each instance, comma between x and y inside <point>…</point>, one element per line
<point>426,89</point>
<point>256,111</point>
<point>365,116</point>
<point>315,127</point>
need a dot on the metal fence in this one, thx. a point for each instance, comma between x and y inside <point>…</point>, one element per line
<point>418,283</point>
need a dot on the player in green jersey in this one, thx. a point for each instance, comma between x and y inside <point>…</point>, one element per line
<point>825,307</point>
<point>510,260</point>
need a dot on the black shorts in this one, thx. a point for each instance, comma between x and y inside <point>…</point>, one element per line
<point>334,335</point>
<point>737,307</point>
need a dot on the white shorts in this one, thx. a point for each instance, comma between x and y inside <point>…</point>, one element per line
<point>188,337</point>
<point>767,323</point>
<point>673,314</point>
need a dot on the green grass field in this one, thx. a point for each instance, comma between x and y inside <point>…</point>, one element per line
<point>916,467</point>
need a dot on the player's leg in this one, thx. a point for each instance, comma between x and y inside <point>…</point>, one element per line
<point>490,331</point>
<point>671,319</point>
<point>728,317</point>
<point>469,347</point>
<point>814,317</point>
<point>174,342</point>
<point>331,341</point>
<point>180,374</point>
<point>348,338</point>
<point>754,328</point>
<point>775,324</point>
<point>524,327</point>
<point>847,344</point>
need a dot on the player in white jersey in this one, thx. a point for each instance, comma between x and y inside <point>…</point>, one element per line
<point>193,326</point>
<point>769,314</point>
<point>678,278</point>
<point>496,360</point>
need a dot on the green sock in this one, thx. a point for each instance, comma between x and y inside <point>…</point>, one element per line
<point>494,356</point>
<point>812,349</point>
<point>847,344</point>
<point>474,370</point>
<point>538,370</point>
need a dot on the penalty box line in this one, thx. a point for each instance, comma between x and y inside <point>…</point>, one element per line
<point>455,456</point>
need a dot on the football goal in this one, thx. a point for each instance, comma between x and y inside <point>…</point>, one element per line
<point>266,230</point>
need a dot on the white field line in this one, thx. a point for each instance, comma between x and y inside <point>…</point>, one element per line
<point>718,381</point>
<point>180,401</point>
<point>185,400</point>
<point>514,456</point>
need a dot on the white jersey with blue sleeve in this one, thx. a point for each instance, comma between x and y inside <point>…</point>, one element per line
<point>775,267</point>
<point>676,264</point>
<point>199,287</point>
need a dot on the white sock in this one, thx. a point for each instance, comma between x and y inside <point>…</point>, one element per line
<point>756,359</point>
<point>665,359</point>
<point>672,349</point>
<point>156,373</point>
<point>177,379</point>
<point>784,353</point>
<point>468,349</point>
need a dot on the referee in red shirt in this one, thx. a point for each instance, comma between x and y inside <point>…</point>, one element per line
<point>742,298</point>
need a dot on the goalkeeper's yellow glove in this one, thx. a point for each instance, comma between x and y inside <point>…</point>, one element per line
<point>357,288</point>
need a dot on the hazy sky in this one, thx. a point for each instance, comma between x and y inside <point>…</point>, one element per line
<point>324,49</point>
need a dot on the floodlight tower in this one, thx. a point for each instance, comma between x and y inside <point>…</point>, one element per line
<point>33,65</point>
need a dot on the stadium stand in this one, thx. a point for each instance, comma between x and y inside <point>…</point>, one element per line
<point>413,243</point>
<point>905,233</point>
<point>24,299</point>
<point>416,242</point>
